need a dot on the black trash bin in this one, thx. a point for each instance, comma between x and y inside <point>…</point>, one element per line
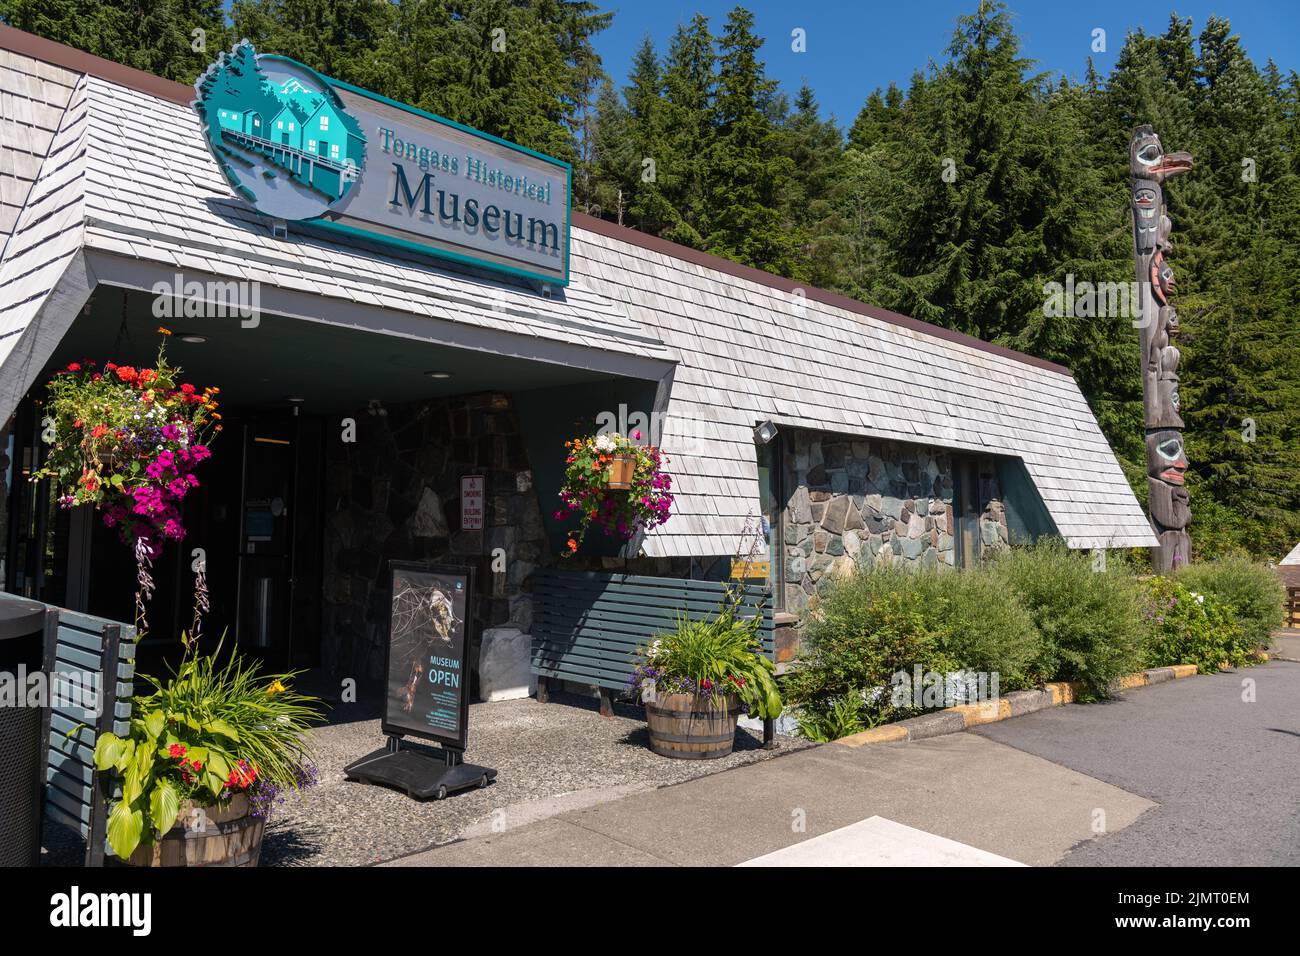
<point>22,751</point>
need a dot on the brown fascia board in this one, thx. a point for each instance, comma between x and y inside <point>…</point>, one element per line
<point>39,48</point>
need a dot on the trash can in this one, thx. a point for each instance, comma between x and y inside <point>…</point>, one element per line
<point>22,710</point>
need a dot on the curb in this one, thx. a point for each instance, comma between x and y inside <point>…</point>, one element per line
<point>953,720</point>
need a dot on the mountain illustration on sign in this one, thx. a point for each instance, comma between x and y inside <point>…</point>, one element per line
<point>282,136</point>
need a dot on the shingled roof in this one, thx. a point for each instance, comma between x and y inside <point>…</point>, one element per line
<point>109,159</point>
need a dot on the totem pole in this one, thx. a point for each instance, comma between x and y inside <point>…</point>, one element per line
<point>1150,166</point>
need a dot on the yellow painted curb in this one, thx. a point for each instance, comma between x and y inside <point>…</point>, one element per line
<point>985,712</point>
<point>876,735</point>
<point>991,711</point>
<point>1062,692</point>
<point>1129,681</point>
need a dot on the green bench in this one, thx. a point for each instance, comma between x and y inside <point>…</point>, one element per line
<point>587,625</point>
<point>89,653</point>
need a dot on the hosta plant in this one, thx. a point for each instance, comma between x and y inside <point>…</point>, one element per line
<point>212,731</point>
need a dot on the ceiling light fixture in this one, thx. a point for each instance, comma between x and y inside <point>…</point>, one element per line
<point>436,374</point>
<point>191,338</point>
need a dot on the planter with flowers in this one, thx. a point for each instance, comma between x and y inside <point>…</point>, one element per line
<point>127,441</point>
<point>695,681</point>
<point>207,756</point>
<point>614,484</point>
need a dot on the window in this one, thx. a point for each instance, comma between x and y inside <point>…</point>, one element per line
<point>257,121</point>
<point>279,124</point>
<point>311,144</point>
<point>290,127</point>
<point>324,123</point>
<point>334,150</point>
<point>235,117</point>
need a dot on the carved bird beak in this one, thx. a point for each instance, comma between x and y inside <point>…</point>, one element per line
<point>1171,164</point>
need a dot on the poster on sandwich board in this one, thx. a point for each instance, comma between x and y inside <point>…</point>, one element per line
<point>426,673</point>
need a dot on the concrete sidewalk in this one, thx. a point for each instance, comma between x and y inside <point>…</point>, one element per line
<point>1286,645</point>
<point>963,787</point>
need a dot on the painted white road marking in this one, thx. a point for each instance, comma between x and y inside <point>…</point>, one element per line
<point>876,841</point>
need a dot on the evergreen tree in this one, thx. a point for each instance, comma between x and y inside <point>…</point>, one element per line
<point>746,173</point>
<point>689,86</point>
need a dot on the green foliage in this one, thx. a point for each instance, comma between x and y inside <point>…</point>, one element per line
<point>1252,591</point>
<point>980,626</point>
<point>1089,621</point>
<point>838,717</point>
<point>1187,627</point>
<point>211,731</point>
<point>866,628</point>
<point>714,657</point>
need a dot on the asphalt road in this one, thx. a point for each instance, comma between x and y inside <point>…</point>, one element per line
<point>1224,772</point>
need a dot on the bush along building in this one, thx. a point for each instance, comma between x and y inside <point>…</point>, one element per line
<point>399,385</point>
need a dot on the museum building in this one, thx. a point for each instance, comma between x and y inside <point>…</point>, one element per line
<point>372,382</point>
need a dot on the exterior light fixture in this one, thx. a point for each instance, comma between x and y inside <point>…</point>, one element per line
<point>765,432</point>
<point>436,374</point>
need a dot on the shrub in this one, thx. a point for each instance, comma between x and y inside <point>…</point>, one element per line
<point>866,628</point>
<point>1089,621</point>
<point>1187,627</point>
<point>980,626</point>
<point>1253,592</point>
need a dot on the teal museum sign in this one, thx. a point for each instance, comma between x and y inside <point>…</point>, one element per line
<point>301,147</point>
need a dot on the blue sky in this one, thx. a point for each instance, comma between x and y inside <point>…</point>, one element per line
<point>853,47</point>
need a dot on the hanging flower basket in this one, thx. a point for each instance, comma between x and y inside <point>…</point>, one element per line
<point>127,441</point>
<point>614,484</point>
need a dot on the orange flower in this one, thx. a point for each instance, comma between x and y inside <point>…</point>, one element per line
<point>573,545</point>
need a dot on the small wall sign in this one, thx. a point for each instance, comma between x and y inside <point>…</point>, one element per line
<point>471,502</point>
<point>741,568</point>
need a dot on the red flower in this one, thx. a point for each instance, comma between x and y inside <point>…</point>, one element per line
<point>176,750</point>
<point>74,367</point>
<point>126,373</point>
<point>187,388</point>
<point>99,431</point>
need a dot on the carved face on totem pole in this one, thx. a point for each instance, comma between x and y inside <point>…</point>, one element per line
<point>1166,470</point>
<point>1160,393</point>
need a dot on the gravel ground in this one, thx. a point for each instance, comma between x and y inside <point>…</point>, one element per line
<point>549,758</point>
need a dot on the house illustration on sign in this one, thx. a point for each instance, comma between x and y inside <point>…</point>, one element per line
<point>294,126</point>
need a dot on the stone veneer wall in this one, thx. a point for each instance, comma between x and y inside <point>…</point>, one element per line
<point>394,494</point>
<point>860,502</point>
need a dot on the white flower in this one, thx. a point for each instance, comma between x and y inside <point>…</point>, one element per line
<point>604,443</point>
<point>654,650</point>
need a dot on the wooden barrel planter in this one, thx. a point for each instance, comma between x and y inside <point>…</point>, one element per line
<point>223,836</point>
<point>692,726</point>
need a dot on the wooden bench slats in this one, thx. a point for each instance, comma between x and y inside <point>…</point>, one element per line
<point>587,625</point>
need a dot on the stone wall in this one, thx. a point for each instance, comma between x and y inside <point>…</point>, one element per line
<point>860,502</point>
<point>394,494</point>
